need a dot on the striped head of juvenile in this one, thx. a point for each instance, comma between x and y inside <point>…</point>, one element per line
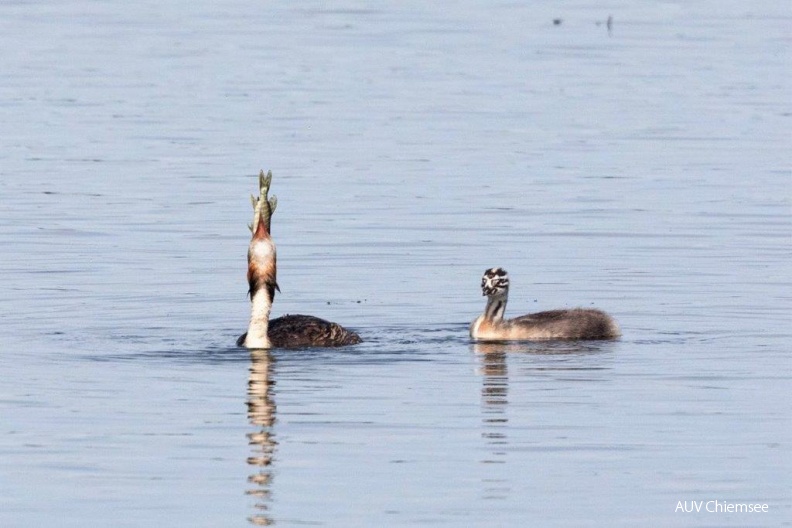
<point>495,283</point>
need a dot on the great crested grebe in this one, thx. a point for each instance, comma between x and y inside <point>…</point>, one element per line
<point>289,331</point>
<point>576,323</point>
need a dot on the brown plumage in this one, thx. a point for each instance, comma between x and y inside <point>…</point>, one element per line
<point>262,274</point>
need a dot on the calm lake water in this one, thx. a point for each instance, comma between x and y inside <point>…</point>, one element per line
<point>644,171</point>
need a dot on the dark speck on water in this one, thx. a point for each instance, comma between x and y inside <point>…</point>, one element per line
<point>645,174</point>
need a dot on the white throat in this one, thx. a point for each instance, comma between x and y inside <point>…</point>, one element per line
<point>260,308</point>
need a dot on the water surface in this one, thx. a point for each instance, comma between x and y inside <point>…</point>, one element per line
<point>643,171</point>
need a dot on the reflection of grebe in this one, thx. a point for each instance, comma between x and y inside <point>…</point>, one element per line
<point>495,421</point>
<point>577,323</point>
<point>288,331</point>
<point>261,413</point>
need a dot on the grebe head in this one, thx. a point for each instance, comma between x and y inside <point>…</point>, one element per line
<point>495,282</point>
<point>262,257</point>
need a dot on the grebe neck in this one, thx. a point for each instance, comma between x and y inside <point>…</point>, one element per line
<point>262,271</point>
<point>260,307</point>
<point>496,307</point>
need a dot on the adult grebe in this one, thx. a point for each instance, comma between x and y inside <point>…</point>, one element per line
<point>289,331</point>
<point>576,323</point>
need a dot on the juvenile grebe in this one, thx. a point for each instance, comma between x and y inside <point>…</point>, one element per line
<point>289,331</point>
<point>576,323</point>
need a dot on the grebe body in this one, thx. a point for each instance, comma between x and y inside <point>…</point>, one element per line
<point>298,331</point>
<point>575,323</point>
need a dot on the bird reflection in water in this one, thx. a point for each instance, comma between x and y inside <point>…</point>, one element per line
<point>493,368</point>
<point>261,413</point>
<point>494,400</point>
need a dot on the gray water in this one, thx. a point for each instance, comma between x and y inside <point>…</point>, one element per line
<point>644,171</point>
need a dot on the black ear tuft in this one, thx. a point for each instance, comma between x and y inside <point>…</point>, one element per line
<point>271,286</point>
